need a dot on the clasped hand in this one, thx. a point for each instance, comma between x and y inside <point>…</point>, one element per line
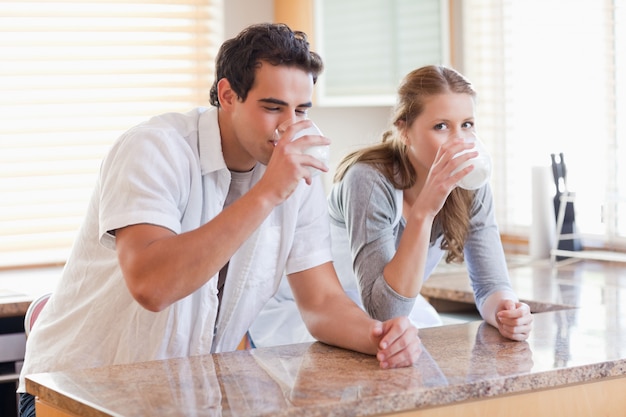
<point>398,342</point>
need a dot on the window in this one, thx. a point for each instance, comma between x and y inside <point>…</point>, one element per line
<point>369,45</point>
<point>551,77</point>
<point>74,76</point>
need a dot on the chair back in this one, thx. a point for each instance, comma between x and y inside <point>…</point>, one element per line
<point>33,312</point>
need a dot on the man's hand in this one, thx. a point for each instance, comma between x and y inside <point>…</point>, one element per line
<point>289,162</point>
<point>514,319</point>
<point>398,343</point>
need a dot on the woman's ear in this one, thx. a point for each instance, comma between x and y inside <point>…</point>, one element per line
<point>401,128</point>
<point>225,93</point>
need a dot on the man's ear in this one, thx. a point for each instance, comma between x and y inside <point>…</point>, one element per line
<point>225,93</point>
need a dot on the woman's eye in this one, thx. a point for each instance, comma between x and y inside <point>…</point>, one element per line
<point>440,126</point>
<point>468,125</point>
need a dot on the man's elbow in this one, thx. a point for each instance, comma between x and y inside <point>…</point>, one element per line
<point>314,326</point>
<point>148,297</point>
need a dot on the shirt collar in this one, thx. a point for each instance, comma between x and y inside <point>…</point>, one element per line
<point>210,142</point>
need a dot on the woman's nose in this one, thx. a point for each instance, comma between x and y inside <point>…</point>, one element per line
<point>465,136</point>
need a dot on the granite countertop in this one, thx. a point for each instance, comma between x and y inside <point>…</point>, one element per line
<point>581,341</point>
<point>20,287</point>
<point>13,303</point>
<point>543,287</point>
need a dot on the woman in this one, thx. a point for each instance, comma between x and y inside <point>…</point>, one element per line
<point>396,209</point>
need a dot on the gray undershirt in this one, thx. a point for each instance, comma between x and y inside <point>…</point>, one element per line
<point>239,185</point>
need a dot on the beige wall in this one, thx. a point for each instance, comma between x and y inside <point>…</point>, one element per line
<point>348,127</point>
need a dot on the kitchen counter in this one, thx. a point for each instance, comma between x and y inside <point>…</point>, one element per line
<point>13,303</point>
<point>573,364</point>
<point>544,288</point>
<point>20,287</point>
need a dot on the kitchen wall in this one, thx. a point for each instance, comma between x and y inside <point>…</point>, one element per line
<point>348,127</point>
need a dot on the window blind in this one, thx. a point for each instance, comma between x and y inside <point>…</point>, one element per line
<point>74,76</point>
<point>550,77</point>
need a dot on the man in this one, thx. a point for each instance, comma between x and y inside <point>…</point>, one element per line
<point>193,222</point>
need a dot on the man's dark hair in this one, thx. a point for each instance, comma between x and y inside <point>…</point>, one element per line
<point>276,44</point>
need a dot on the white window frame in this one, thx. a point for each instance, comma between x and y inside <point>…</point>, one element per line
<point>325,99</point>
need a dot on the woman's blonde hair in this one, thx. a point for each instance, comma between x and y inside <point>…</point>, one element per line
<point>390,156</point>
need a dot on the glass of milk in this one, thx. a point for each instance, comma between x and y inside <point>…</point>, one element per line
<point>321,152</point>
<point>481,173</point>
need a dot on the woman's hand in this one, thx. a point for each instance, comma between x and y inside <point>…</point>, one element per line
<point>514,319</point>
<point>440,181</point>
